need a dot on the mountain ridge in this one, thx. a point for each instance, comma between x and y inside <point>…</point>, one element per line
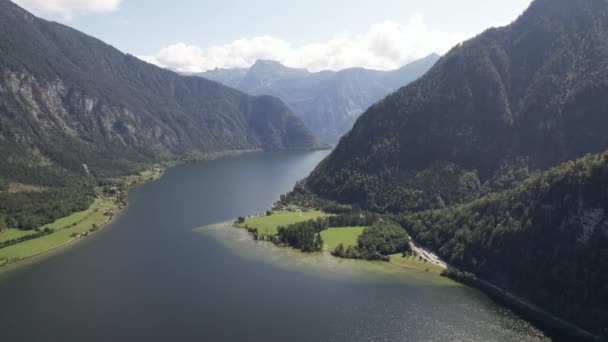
<point>480,157</point>
<point>478,113</point>
<point>327,101</point>
<point>64,90</point>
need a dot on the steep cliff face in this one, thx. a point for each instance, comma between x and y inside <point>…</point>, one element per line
<point>71,100</point>
<point>328,102</point>
<point>512,100</point>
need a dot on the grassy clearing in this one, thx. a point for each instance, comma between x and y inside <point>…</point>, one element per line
<point>155,173</point>
<point>332,237</point>
<point>76,223</point>
<point>69,221</point>
<point>11,234</point>
<point>414,262</point>
<point>268,224</point>
<point>347,236</point>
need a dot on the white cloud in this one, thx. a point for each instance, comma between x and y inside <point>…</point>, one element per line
<point>383,46</point>
<point>68,8</point>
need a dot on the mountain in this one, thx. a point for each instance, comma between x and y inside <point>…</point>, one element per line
<point>328,102</point>
<point>546,240</point>
<point>67,99</point>
<point>487,120</point>
<point>490,113</point>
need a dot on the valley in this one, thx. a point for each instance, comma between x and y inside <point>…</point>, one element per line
<point>226,177</point>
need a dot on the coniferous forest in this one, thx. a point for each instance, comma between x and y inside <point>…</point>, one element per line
<point>479,158</point>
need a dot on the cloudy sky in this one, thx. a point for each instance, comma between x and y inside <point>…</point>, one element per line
<point>198,35</point>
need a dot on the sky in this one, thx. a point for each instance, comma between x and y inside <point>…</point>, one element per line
<point>199,35</point>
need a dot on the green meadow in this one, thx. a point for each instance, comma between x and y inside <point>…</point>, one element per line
<point>268,224</point>
<point>10,234</point>
<point>347,236</point>
<point>79,222</point>
<point>332,237</point>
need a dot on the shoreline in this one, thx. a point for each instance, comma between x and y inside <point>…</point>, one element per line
<point>321,264</point>
<point>418,259</point>
<point>73,240</point>
<point>551,324</point>
<point>134,180</point>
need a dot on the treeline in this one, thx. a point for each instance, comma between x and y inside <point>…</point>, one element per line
<point>352,219</point>
<point>31,210</point>
<point>300,196</point>
<point>377,242</point>
<point>3,184</point>
<point>392,190</point>
<point>305,236</point>
<point>41,233</point>
<point>546,240</point>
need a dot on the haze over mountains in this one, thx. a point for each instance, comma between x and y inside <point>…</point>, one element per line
<point>67,99</point>
<point>328,102</point>
<point>492,112</point>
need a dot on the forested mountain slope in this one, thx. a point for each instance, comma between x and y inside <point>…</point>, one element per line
<point>328,102</point>
<point>516,99</point>
<point>67,99</point>
<point>546,240</point>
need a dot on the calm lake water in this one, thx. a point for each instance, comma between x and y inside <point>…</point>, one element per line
<point>163,272</point>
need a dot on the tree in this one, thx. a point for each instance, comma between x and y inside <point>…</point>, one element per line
<point>339,251</point>
<point>318,242</point>
<point>11,222</point>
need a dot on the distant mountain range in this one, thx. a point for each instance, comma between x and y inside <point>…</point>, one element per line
<point>67,99</point>
<point>328,102</point>
<point>493,112</point>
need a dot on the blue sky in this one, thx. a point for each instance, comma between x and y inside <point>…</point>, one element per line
<point>196,35</point>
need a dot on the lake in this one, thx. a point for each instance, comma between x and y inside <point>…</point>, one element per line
<point>165,271</point>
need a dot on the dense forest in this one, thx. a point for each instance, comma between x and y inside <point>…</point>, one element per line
<point>377,242</point>
<point>546,240</point>
<point>31,210</point>
<point>301,196</point>
<point>492,111</point>
<point>462,154</point>
<point>305,236</point>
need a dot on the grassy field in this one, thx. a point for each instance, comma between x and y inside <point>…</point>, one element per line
<point>154,173</point>
<point>347,236</point>
<point>414,262</point>
<point>65,227</point>
<point>269,224</point>
<point>332,237</point>
<point>10,234</point>
<point>68,221</point>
